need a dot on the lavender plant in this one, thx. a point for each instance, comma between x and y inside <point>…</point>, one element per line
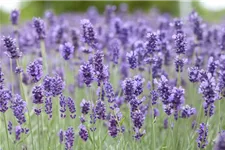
<point>112,81</point>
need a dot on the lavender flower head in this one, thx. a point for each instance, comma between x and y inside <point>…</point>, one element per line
<point>164,90</point>
<point>5,97</point>
<point>132,59</point>
<point>202,136</point>
<point>38,94</point>
<point>113,129</point>
<point>67,50</point>
<point>71,106</point>
<point>35,70</point>
<point>11,50</point>
<point>48,107</point>
<point>83,132</point>
<point>138,119</point>
<point>1,78</point>
<point>61,136</point>
<point>100,110</point>
<point>14,17</point>
<point>109,92</point>
<point>69,138</point>
<point>193,74</point>
<point>187,111</point>
<point>180,43</point>
<point>129,87</point>
<point>88,33</point>
<point>208,89</point>
<point>85,106</point>
<point>53,86</point>
<point>114,50</point>
<point>10,127</point>
<point>220,142</point>
<point>62,103</point>
<point>19,108</point>
<point>212,65</point>
<point>179,64</point>
<point>87,73</point>
<point>177,100</point>
<point>151,44</point>
<point>39,27</point>
<point>139,84</point>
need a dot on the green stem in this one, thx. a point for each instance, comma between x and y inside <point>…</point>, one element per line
<point>12,81</point>
<point>23,93</point>
<point>31,132</point>
<point>42,132</point>
<point>6,129</point>
<point>39,143</point>
<point>219,117</point>
<point>44,56</point>
<point>153,128</point>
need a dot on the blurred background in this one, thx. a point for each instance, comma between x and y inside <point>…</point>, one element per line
<point>210,10</point>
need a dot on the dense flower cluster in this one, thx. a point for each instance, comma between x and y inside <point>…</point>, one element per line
<point>119,75</point>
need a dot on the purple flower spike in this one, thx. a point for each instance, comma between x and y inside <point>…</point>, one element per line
<point>35,71</point>
<point>5,97</point>
<point>109,92</point>
<point>10,127</point>
<point>138,119</point>
<point>48,107</point>
<point>67,50</point>
<point>113,129</point>
<point>83,132</point>
<point>19,107</point>
<point>114,50</point>
<point>220,143</point>
<point>129,87</point>
<point>202,136</point>
<point>177,100</point>
<point>1,78</point>
<point>187,111</point>
<point>139,84</point>
<point>18,70</point>
<point>53,86</point>
<point>72,108</point>
<point>11,50</point>
<point>38,98</point>
<point>88,33</point>
<point>164,90</point>
<point>193,74</point>
<point>179,64</point>
<point>39,27</point>
<point>87,73</point>
<point>69,138</point>
<point>61,136</point>
<point>100,110</point>
<point>151,44</point>
<point>14,17</point>
<point>18,132</point>
<point>62,103</point>
<point>180,43</point>
<point>132,59</point>
<point>85,106</point>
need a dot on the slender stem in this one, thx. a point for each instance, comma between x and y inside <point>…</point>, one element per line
<point>219,117</point>
<point>39,143</point>
<point>44,56</point>
<point>31,132</point>
<point>42,132</point>
<point>23,93</point>
<point>6,129</point>
<point>12,81</point>
<point>153,128</point>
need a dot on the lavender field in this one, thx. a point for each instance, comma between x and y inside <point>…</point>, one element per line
<point>112,81</point>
